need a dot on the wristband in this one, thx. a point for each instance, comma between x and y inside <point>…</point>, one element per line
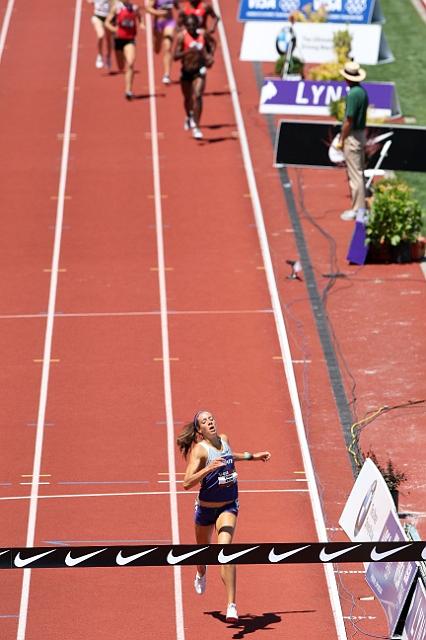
<point>248,456</point>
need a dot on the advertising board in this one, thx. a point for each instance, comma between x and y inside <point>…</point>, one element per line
<point>357,11</point>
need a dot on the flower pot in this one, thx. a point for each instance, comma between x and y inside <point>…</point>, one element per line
<point>378,254</point>
<point>395,496</point>
<point>418,250</point>
<point>401,254</point>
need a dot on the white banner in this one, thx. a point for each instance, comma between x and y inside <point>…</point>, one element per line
<point>368,506</point>
<point>314,42</point>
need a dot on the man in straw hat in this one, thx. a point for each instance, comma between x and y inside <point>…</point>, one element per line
<point>352,138</point>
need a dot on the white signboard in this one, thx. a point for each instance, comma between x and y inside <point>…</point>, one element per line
<point>314,42</point>
<point>368,506</point>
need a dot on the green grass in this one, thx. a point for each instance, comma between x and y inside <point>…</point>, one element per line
<point>406,34</point>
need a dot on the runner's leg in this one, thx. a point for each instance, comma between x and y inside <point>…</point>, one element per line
<point>130,56</point>
<point>203,535</point>
<point>225,528</point>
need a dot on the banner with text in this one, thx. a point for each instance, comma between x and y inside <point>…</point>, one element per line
<point>358,11</point>
<point>415,624</point>
<point>311,97</point>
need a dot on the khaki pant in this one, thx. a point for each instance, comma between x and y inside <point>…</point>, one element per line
<point>353,149</point>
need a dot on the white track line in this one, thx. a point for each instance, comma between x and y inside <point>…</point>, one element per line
<point>49,324</point>
<point>282,333</point>
<point>5,26</point>
<point>144,493</point>
<point>138,313</point>
<point>177,574</point>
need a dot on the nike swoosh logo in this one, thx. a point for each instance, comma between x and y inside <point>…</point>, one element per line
<point>7,550</point>
<point>277,557</point>
<point>379,556</point>
<point>223,559</point>
<point>171,559</point>
<point>21,562</point>
<point>327,557</point>
<point>72,562</point>
<point>123,561</point>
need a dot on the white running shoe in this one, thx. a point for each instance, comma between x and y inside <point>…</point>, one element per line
<point>200,583</point>
<point>166,79</point>
<point>189,122</point>
<point>231,613</point>
<point>99,62</point>
<point>350,214</point>
<point>108,62</point>
<point>129,95</point>
<point>197,133</point>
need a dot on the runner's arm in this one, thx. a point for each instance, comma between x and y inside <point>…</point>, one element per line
<point>158,13</point>
<point>110,17</point>
<point>210,11</point>
<point>196,470</point>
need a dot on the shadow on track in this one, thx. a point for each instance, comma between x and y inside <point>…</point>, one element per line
<point>249,623</point>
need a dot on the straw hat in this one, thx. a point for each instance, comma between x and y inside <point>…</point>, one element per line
<point>352,71</point>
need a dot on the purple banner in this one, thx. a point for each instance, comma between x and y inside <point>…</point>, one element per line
<point>391,581</point>
<point>311,97</point>
<point>415,624</point>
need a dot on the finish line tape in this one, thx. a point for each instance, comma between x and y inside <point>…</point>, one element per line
<point>172,555</point>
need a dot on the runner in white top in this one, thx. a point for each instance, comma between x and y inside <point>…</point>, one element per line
<point>101,9</point>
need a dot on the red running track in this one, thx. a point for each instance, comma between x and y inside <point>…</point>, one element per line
<point>104,452</point>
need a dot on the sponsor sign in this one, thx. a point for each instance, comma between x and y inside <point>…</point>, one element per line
<point>186,554</point>
<point>358,11</point>
<point>311,97</point>
<point>391,581</point>
<point>415,624</point>
<point>311,144</point>
<point>314,42</point>
<point>368,505</point>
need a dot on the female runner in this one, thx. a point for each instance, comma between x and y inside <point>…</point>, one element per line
<point>100,12</point>
<point>201,10</point>
<point>122,21</point>
<point>211,462</point>
<point>164,31</point>
<point>194,51</point>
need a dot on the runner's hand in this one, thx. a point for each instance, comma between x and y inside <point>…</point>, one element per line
<point>263,455</point>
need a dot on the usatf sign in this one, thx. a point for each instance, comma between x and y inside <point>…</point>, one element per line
<point>214,554</point>
<point>357,11</point>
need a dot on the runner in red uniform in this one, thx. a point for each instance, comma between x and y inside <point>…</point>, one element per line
<point>122,20</point>
<point>195,52</point>
<point>201,10</point>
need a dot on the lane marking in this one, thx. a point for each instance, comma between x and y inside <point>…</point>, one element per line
<point>162,359</point>
<point>282,332</point>
<point>114,314</point>
<point>143,493</point>
<point>32,517</point>
<point>42,360</point>
<point>50,270</point>
<point>5,27</point>
<point>177,575</point>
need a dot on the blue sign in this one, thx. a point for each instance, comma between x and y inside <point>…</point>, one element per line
<point>391,581</point>
<point>356,11</point>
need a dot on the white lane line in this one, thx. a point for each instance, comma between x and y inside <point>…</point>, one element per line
<point>144,493</point>
<point>177,575</point>
<point>282,333</point>
<point>5,26</point>
<point>23,612</point>
<point>139,313</point>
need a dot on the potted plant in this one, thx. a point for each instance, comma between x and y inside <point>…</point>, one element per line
<point>394,219</point>
<point>391,475</point>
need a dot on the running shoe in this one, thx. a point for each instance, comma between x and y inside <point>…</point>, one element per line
<point>350,214</point>
<point>197,133</point>
<point>99,62</point>
<point>166,79</point>
<point>231,613</point>
<point>108,62</point>
<point>189,122</point>
<point>200,583</point>
<point>129,95</point>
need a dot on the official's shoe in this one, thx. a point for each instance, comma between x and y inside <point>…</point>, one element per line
<point>350,214</point>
